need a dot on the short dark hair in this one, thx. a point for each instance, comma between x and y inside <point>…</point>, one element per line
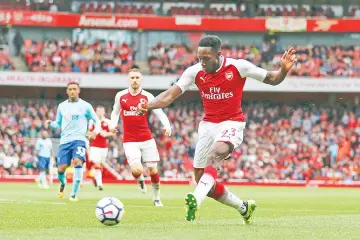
<point>71,83</point>
<point>134,68</point>
<point>212,41</point>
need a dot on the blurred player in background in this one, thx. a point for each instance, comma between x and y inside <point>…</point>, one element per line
<point>99,146</point>
<point>220,82</point>
<point>72,117</point>
<point>138,140</point>
<point>43,150</point>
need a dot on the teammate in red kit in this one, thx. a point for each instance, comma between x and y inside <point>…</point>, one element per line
<point>220,82</point>
<point>99,146</point>
<point>138,141</point>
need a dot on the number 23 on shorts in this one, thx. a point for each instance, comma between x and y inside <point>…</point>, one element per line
<point>228,133</point>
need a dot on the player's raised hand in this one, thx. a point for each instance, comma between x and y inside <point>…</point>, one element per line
<point>141,109</point>
<point>167,131</point>
<point>288,59</point>
<point>47,124</point>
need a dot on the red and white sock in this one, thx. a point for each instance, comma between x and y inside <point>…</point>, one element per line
<point>205,184</point>
<point>98,176</point>
<point>155,182</point>
<point>223,195</point>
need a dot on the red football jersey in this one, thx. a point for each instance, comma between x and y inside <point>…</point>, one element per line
<point>221,92</point>
<point>136,128</point>
<point>99,141</point>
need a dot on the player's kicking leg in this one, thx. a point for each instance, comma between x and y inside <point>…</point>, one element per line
<point>207,185</point>
<point>155,182</point>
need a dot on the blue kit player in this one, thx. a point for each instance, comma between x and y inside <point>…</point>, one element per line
<point>72,117</point>
<point>43,149</point>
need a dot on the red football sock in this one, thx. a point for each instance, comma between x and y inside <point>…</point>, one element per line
<point>155,178</point>
<point>218,191</point>
<point>211,171</point>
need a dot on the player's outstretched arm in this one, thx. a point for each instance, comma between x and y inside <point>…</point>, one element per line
<point>115,114</point>
<point>286,62</point>
<point>164,99</point>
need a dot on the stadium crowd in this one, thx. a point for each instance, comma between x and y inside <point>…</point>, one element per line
<point>313,60</point>
<point>294,141</point>
<point>67,56</point>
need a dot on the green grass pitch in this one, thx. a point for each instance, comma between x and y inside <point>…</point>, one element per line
<point>27,212</point>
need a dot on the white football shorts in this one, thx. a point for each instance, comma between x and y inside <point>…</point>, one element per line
<point>147,151</point>
<point>209,133</point>
<point>98,155</point>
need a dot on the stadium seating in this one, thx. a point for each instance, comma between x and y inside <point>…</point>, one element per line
<point>67,56</point>
<point>305,11</point>
<point>282,141</point>
<point>93,7</point>
<point>313,61</point>
<point>214,9</point>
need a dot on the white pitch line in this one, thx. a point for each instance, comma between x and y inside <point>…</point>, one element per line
<point>9,201</point>
<point>308,210</point>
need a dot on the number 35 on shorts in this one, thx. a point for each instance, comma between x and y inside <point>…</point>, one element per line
<point>81,151</point>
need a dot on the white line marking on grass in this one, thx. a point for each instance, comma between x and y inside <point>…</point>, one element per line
<point>10,201</point>
<point>307,210</point>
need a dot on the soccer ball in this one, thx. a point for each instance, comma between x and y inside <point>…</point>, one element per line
<point>109,211</point>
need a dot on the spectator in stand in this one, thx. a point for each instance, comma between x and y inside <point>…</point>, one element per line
<point>333,152</point>
<point>53,8</point>
<point>357,13</point>
<point>5,61</point>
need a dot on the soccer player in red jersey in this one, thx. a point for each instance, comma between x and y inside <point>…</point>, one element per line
<point>99,146</point>
<point>220,82</point>
<point>138,141</point>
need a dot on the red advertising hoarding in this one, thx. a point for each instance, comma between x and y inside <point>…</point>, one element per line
<point>180,23</point>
